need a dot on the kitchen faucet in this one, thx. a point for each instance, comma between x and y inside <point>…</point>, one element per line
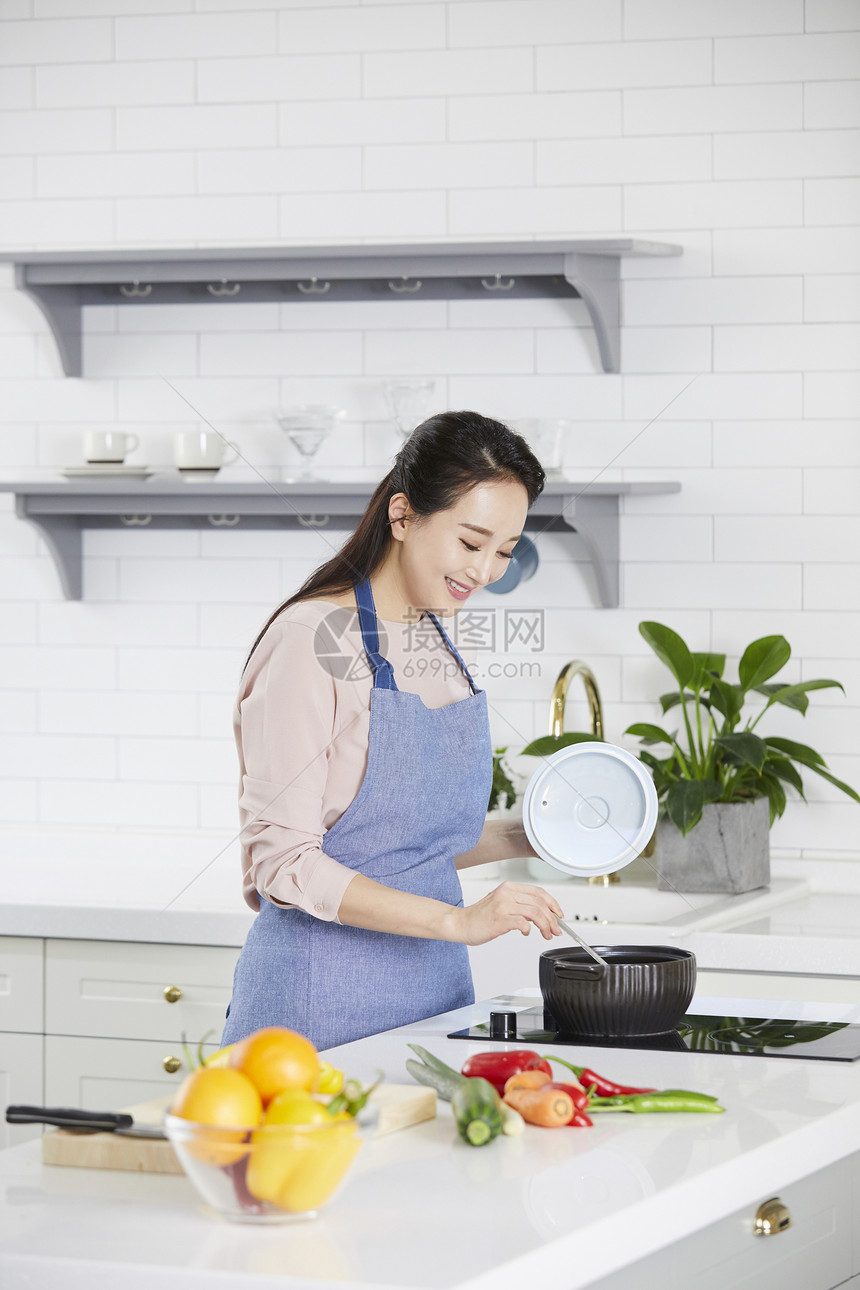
<point>559,698</point>
<point>595,708</point>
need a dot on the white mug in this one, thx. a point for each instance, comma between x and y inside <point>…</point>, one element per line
<point>202,450</point>
<point>108,445</point>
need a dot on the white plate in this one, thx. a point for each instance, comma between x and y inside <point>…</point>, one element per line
<point>590,809</point>
<point>107,470</point>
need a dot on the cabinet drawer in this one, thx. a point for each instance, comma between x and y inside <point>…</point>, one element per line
<point>104,1074</point>
<point>117,989</point>
<point>814,1253</point>
<point>21,983</point>
<point>21,1081</point>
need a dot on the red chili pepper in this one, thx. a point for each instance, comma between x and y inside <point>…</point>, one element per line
<point>581,1121</point>
<point>602,1087</point>
<point>578,1095</point>
<point>498,1067</point>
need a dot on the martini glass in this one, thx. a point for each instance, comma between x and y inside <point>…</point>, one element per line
<point>307,427</point>
<point>408,402</point>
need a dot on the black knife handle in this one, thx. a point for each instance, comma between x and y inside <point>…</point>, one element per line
<point>68,1117</point>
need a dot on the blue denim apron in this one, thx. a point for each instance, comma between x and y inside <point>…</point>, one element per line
<point>423,801</point>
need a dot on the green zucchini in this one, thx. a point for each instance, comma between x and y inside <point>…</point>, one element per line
<point>477,1112</point>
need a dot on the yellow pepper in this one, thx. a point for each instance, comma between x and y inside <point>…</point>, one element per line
<point>329,1080</point>
<point>322,1159</point>
<point>301,1154</point>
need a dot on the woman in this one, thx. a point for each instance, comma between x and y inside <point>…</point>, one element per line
<point>361,799</point>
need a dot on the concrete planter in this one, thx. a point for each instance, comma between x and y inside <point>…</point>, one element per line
<point>727,851</point>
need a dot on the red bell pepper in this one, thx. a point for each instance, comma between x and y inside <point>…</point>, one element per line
<point>498,1067</point>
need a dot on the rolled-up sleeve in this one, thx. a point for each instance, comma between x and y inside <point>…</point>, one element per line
<point>284,730</point>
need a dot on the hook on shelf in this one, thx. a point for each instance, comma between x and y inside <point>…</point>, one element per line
<point>223,288</point>
<point>136,289</point>
<point>135,521</point>
<point>403,288</point>
<point>312,521</point>
<point>223,521</point>
<point>312,289</point>
<point>496,284</point>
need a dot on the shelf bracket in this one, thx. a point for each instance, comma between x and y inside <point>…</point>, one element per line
<point>597,280</point>
<point>63,538</point>
<point>595,517</point>
<point>61,308</point>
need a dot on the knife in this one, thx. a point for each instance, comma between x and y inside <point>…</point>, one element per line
<point>83,1121</point>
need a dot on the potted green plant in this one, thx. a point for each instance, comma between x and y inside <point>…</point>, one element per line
<point>722,785</point>
<point>502,793</point>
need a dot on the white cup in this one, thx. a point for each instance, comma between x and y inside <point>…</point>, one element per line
<point>108,445</point>
<point>202,450</point>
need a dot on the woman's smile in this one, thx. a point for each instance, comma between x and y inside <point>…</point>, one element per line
<point>458,590</point>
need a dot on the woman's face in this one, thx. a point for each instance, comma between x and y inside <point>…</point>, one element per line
<point>444,558</point>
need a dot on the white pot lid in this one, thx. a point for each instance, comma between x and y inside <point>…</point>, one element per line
<point>590,809</point>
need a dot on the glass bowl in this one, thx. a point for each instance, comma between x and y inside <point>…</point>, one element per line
<point>269,1173</point>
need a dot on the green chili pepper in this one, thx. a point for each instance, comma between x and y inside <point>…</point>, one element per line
<point>675,1094</point>
<point>646,1102</point>
<point>353,1097</point>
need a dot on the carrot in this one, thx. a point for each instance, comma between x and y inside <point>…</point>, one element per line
<point>548,1107</point>
<point>528,1079</point>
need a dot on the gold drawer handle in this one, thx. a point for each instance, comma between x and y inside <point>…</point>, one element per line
<point>172,993</point>
<point>172,1064</point>
<point>771,1218</point>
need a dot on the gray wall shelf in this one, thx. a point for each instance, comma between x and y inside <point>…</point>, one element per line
<point>62,282</point>
<point>61,511</point>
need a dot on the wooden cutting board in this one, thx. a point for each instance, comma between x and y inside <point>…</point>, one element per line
<point>399,1105</point>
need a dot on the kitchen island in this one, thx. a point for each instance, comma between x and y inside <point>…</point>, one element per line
<point>633,1202</point>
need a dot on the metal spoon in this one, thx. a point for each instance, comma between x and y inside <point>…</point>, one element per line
<point>579,940</point>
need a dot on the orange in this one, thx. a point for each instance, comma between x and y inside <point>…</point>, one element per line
<point>217,1096</point>
<point>275,1059</point>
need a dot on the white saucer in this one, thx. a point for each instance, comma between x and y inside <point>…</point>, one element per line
<point>590,809</point>
<point>201,475</point>
<point>107,470</point>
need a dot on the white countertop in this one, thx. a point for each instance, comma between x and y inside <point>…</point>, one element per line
<point>172,888</point>
<point>424,1211</point>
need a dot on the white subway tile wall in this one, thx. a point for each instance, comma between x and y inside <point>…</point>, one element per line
<point>729,127</point>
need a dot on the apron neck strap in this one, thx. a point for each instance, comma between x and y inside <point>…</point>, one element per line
<point>383,673</point>
<point>441,630</point>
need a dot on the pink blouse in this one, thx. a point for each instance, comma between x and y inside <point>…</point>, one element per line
<point>301,723</point>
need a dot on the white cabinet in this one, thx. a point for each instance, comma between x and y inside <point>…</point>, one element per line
<point>136,990</point>
<point>103,1074</point>
<point>21,1029</point>
<point>21,1081</point>
<point>99,1024</point>
<point>21,984</point>
<point>818,1251</point>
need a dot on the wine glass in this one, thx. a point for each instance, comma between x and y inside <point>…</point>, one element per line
<point>408,402</point>
<point>307,426</point>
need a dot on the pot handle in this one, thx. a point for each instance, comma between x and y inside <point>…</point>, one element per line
<point>578,971</point>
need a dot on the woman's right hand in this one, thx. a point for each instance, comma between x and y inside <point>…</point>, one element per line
<point>512,907</point>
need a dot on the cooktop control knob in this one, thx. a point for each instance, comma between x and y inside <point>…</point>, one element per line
<point>503,1025</point>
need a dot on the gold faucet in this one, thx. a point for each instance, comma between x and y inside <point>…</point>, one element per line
<point>559,698</point>
<point>595,708</point>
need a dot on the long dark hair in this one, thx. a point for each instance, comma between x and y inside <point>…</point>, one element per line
<point>443,458</point>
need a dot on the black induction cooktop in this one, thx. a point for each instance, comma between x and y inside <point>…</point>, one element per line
<point>824,1041</point>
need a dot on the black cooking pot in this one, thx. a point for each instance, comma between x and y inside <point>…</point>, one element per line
<point>643,990</point>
